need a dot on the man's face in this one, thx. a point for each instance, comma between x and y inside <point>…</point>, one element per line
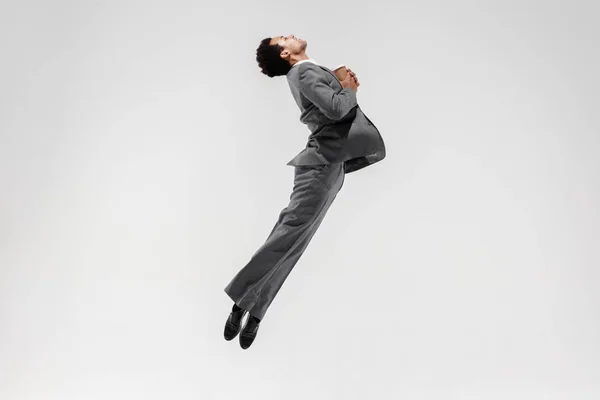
<point>290,44</point>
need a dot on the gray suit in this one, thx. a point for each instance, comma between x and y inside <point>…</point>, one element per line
<point>342,140</point>
<point>340,131</point>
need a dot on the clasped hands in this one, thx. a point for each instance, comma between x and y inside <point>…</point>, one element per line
<point>353,75</point>
<point>350,80</point>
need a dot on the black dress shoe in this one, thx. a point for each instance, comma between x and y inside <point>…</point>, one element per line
<point>249,332</point>
<point>233,323</point>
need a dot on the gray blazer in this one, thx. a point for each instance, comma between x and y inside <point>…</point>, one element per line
<point>340,131</point>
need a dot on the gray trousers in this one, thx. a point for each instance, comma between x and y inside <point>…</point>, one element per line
<point>315,187</point>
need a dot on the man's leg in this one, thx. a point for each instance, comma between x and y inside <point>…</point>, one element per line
<point>315,187</point>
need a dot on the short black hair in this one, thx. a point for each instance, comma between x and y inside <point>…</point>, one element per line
<point>269,59</point>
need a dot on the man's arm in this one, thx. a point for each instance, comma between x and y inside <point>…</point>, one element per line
<point>315,88</point>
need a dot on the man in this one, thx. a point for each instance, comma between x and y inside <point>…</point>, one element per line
<point>342,140</point>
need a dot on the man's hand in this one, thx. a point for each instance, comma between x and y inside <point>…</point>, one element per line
<point>350,80</point>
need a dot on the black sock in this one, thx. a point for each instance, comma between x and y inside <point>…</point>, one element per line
<point>235,307</point>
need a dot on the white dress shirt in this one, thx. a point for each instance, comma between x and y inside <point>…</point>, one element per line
<point>312,60</point>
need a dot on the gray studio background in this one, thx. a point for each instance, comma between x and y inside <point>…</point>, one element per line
<point>142,163</point>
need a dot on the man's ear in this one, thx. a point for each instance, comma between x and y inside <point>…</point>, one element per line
<point>284,54</point>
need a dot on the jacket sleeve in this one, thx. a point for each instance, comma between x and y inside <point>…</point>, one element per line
<point>316,89</point>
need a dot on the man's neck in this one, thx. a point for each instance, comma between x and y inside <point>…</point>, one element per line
<point>300,58</point>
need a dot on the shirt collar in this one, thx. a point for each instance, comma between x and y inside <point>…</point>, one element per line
<point>308,60</point>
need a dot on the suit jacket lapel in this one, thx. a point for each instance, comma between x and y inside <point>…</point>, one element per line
<point>330,71</point>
